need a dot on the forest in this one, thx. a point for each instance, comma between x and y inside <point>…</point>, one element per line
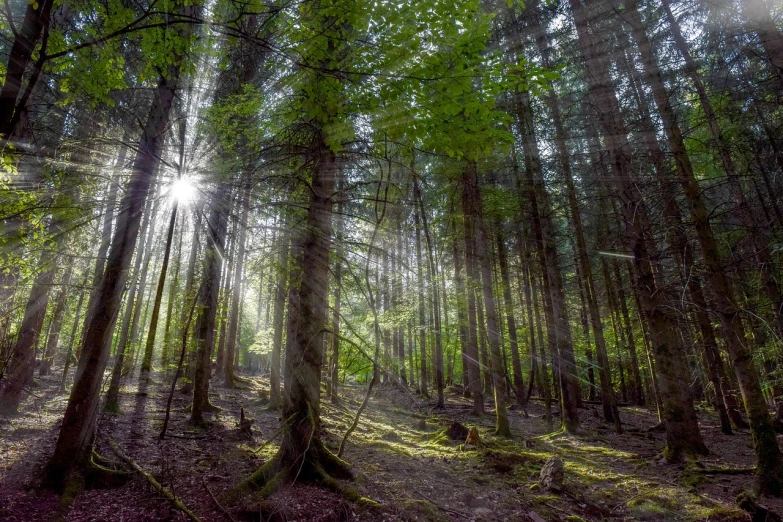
<point>418,260</point>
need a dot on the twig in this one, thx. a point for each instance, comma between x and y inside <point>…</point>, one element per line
<point>157,485</point>
<point>215,500</point>
<point>729,471</point>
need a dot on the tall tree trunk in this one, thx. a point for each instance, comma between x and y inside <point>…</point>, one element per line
<point>471,281</point>
<point>462,312</point>
<point>146,364</point>
<point>769,458</point>
<point>74,328</point>
<point>34,28</point>
<point>74,443</point>
<point>22,364</point>
<point>106,237</point>
<point>433,273</point>
<point>239,268</point>
<point>132,304</point>
<point>168,332</point>
<point>682,431</point>
<point>275,398</point>
<point>204,330</point>
<point>508,301</point>
<point>57,322</point>
<point>543,229</point>
<point>422,327</point>
<point>470,179</point>
<point>334,362</point>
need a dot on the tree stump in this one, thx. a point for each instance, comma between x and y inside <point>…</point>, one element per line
<point>473,440</point>
<point>457,431</point>
<point>552,474</point>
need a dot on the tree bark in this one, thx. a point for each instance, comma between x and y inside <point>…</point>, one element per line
<point>22,364</point>
<point>470,179</point>
<point>239,269</point>
<point>74,443</point>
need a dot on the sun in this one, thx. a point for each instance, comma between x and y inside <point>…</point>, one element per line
<point>183,190</point>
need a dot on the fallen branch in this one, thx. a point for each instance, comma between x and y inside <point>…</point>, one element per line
<point>157,485</point>
<point>729,471</point>
<point>219,506</point>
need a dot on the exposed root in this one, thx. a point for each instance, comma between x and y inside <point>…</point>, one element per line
<point>157,485</point>
<point>321,467</point>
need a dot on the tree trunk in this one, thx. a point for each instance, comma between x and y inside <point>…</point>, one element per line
<point>239,268</point>
<point>433,273</point>
<point>470,179</point>
<point>146,364</point>
<point>560,326</point>
<point>422,327</point>
<point>36,22</point>
<point>22,364</point>
<point>275,398</point>
<point>74,443</point>
<point>471,272</point>
<point>769,458</point>
<point>57,322</point>
<point>168,332</point>
<point>683,436</point>
<point>516,363</point>
<point>132,303</point>
<point>217,226</point>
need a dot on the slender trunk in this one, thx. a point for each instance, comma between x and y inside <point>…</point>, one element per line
<point>146,364</point>
<point>132,303</point>
<point>22,364</point>
<point>275,398</point>
<point>484,261</point>
<point>433,273</point>
<point>74,328</point>
<point>334,362</point>
<point>56,324</point>
<point>35,26</point>
<point>462,313</point>
<point>559,325</point>
<point>508,301</point>
<point>204,329</point>
<point>422,327</point>
<point>471,281</point>
<point>173,287</point>
<point>239,268</point>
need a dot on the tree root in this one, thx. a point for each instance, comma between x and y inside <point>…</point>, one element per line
<point>321,467</point>
<point>729,471</point>
<point>157,485</point>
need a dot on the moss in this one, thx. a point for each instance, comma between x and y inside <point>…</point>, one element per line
<point>692,476</point>
<point>413,510</point>
<point>74,484</point>
<point>574,518</point>
<point>503,461</point>
<point>724,514</point>
<point>653,505</point>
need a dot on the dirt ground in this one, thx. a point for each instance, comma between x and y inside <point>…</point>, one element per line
<point>400,454</point>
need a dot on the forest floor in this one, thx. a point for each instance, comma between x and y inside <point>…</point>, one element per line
<point>400,455</point>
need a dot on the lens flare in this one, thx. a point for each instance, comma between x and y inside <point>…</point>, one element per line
<point>183,190</point>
